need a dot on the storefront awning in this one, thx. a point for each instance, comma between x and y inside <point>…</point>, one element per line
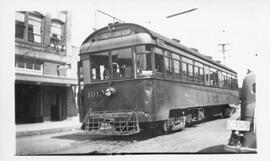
<point>41,79</point>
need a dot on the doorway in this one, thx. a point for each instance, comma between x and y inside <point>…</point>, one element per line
<point>53,103</point>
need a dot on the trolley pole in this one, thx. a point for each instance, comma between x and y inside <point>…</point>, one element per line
<point>223,45</point>
<point>114,18</point>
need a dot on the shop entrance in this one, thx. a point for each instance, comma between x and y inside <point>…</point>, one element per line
<point>53,103</point>
<point>27,103</point>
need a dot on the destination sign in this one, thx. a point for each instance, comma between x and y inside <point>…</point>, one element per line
<point>113,34</point>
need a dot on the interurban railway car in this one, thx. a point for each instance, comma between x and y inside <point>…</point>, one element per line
<point>132,79</point>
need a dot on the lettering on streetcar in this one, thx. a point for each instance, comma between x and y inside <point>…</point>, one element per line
<point>113,34</point>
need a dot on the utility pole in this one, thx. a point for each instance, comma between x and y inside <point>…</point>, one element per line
<point>223,45</point>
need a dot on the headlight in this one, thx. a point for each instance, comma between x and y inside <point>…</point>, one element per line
<point>110,91</point>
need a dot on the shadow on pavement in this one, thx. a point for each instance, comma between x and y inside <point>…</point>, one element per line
<point>81,136</point>
<point>217,149</point>
<point>223,149</point>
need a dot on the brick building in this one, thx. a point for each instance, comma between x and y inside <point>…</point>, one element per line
<point>45,67</point>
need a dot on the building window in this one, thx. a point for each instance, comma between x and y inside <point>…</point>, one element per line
<point>30,65</point>
<point>29,27</point>
<point>20,25</point>
<point>34,29</point>
<point>57,38</point>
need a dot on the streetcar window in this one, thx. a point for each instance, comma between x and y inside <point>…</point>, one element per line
<point>213,77</point>
<point>190,72</point>
<point>122,63</point>
<point>219,78</point>
<point>168,64</point>
<point>224,78</point>
<point>184,70</point>
<point>187,68</point>
<point>100,66</point>
<point>234,82</point>
<point>176,65</point>
<point>201,76</point>
<point>159,67</point>
<point>229,81</point>
<point>196,74</point>
<point>221,82</point>
<point>207,77</point>
<point>144,64</point>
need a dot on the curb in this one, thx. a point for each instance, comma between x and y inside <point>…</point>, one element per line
<point>46,131</point>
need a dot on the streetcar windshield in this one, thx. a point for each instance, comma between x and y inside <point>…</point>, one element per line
<point>144,65</point>
<point>119,67</point>
<point>100,66</point>
<point>118,64</point>
<point>122,63</point>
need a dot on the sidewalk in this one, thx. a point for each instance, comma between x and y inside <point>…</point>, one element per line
<point>47,127</point>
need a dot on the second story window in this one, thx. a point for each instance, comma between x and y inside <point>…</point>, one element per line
<point>28,26</point>
<point>34,29</point>
<point>20,25</point>
<point>56,37</point>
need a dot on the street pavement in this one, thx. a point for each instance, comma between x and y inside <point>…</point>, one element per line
<point>189,140</point>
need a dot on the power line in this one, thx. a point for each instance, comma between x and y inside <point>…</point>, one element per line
<point>181,13</point>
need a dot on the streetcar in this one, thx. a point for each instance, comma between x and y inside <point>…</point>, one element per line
<point>133,79</point>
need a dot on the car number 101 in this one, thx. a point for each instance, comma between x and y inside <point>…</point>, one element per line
<point>238,125</point>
